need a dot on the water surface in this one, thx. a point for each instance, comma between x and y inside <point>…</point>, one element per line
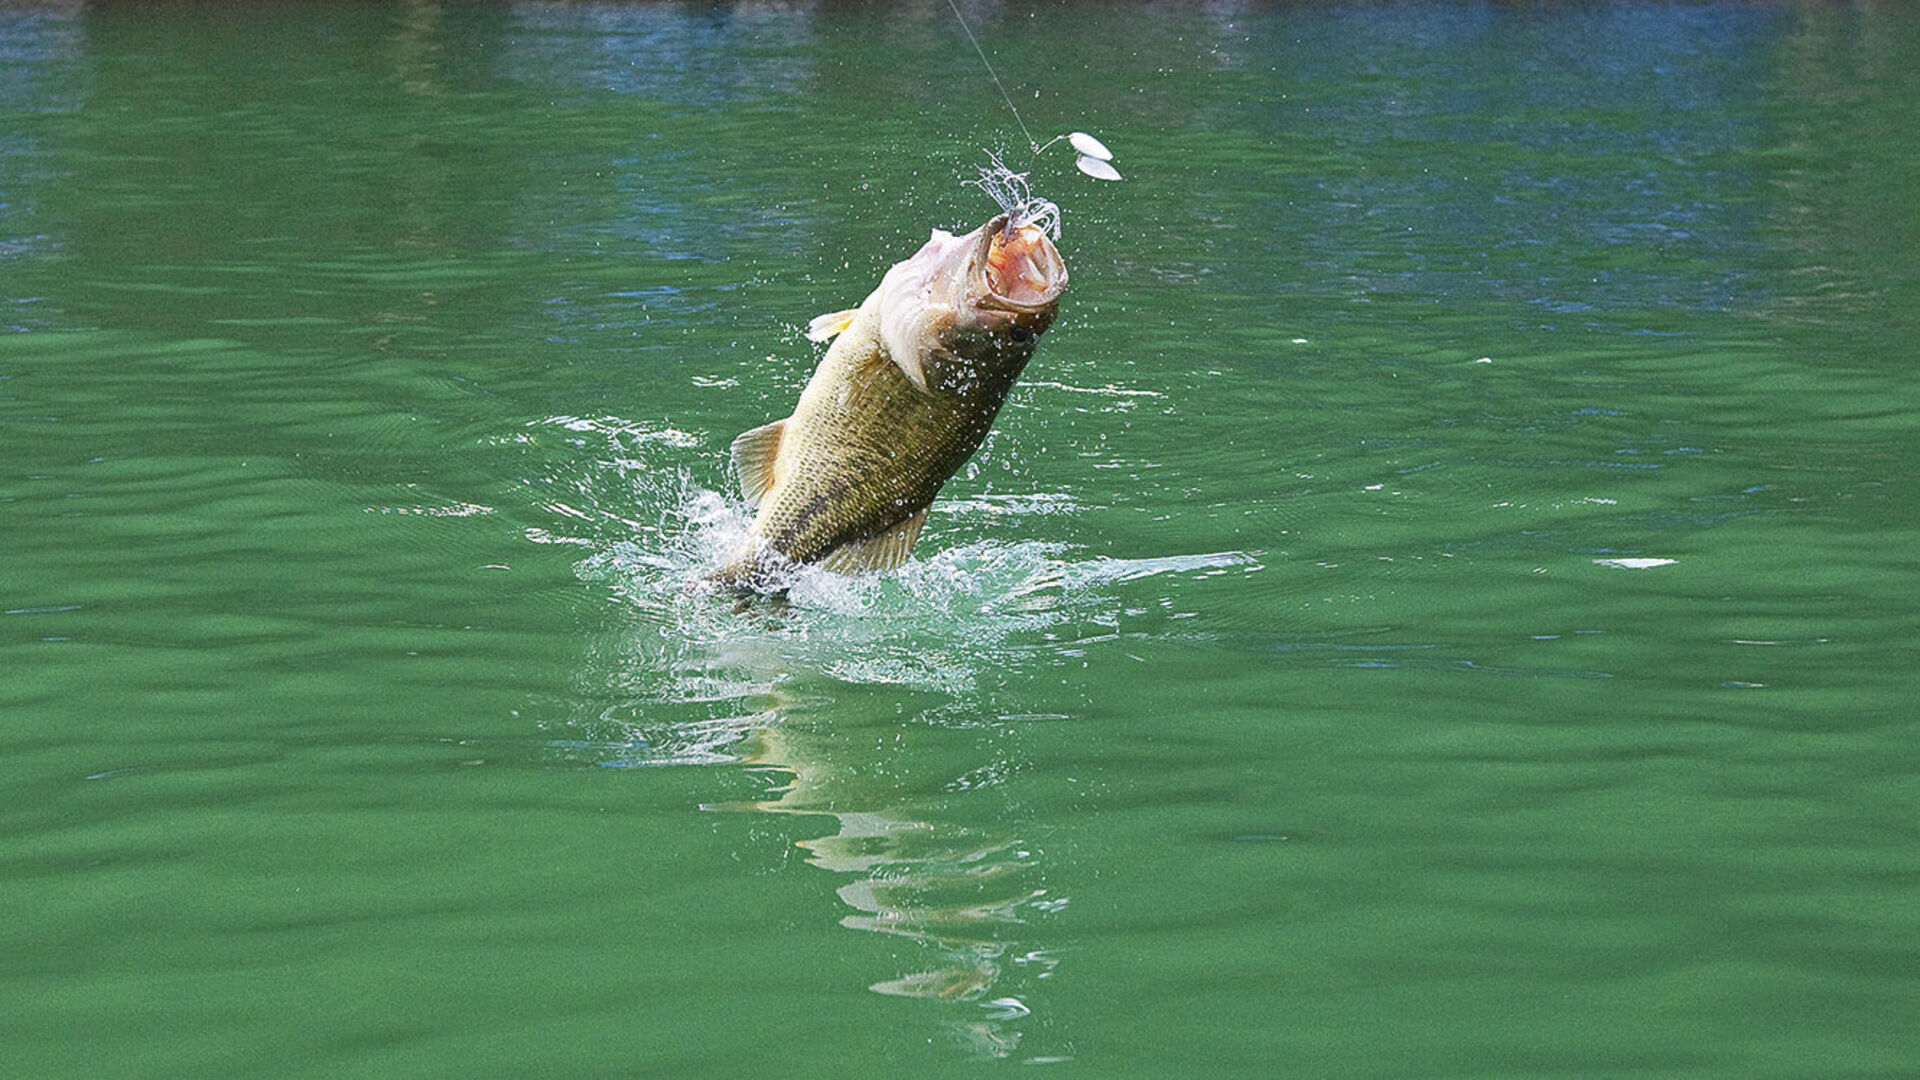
<point>1440,603</point>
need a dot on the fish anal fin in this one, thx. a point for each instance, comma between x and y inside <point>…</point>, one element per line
<point>824,327</point>
<point>882,552</point>
<point>754,455</point>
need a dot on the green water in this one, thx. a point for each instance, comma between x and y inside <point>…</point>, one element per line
<point>1441,604</point>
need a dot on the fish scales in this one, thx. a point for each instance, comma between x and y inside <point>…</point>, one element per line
<point>872,448</point>
<point>905,395</point>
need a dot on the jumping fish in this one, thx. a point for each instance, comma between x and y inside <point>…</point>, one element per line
<point>902,399</point>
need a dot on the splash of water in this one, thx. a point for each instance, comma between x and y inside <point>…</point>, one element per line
<point>681,678</point>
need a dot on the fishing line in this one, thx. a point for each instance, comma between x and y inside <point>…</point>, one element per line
<point>1032,143</point>
<point>1094,158</point>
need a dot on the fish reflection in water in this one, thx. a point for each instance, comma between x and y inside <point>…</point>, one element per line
<point>964,892</point>
<point>968,894</point>
<point>950,887</point>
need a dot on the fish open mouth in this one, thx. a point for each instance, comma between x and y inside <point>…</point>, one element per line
<point>1023,270</point>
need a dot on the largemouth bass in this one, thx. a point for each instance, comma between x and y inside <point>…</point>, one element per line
<point>902,399</point>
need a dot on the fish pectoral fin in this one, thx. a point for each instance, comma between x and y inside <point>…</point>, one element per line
<point>824,327</point>
<point>754,454</point>
<point>882,552</point>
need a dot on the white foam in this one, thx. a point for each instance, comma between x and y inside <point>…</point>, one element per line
<point>940,623</point>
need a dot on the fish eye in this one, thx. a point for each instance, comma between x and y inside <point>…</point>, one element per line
<point>1020,333</point>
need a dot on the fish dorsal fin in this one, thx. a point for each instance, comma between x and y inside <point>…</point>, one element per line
<point>754,454</point>
<point>824,327</point>
<point>882,552</point>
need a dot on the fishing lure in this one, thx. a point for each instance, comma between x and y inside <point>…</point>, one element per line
<point>1016,199</point>
<point>1093,158</point>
